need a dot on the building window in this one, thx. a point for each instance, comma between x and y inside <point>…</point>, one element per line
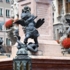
<point>1,12</point>
<point>68,0</point>
<point>7,13</point>
<point>53,16</point>
<point>60,4</point>
<point>0,27</point>
<point>7,42</point>
<point>1,41</point>
<point>67,4</point>
<point>7,1</point>
<point>1,0</point>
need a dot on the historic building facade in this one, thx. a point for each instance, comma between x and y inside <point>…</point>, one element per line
<point>4,16</point>
<point>62,11</point>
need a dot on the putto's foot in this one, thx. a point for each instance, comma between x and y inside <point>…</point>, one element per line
<point>32,47</point>
<point>25,42</point>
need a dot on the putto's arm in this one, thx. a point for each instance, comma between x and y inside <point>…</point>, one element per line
<point>31,18</point>
<point>7,30</point>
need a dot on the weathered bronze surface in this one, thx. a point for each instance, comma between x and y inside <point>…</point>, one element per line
<point>30,28</point>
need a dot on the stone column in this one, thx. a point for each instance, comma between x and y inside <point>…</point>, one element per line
<point>42,9</point>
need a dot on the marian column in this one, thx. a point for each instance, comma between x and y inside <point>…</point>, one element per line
<point>14,13</point>
<point>14,8</point>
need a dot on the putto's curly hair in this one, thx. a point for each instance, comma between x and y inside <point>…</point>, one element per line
<point>26,8</point>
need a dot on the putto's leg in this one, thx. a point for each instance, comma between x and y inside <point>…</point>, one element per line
<point>36,41</point>
<point>26,39</point>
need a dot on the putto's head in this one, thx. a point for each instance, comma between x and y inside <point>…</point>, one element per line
<point>26,9</point>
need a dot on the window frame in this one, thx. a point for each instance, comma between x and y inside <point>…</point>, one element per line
<point>7,1</point>
<point>1,0</point>
<point>60,4</point>
<point>6,14</point>
<point>2,11</point>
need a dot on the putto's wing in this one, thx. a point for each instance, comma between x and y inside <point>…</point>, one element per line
<point>21,22</point>
<point>39,23</point>
<point>68,21</point>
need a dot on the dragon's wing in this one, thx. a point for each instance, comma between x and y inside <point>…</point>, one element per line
<point>21,22</point>
<point>68,21</point>
<point>39,23</point>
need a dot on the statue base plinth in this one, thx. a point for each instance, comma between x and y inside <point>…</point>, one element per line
<point>38,53</point>
<point>50,48</point>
